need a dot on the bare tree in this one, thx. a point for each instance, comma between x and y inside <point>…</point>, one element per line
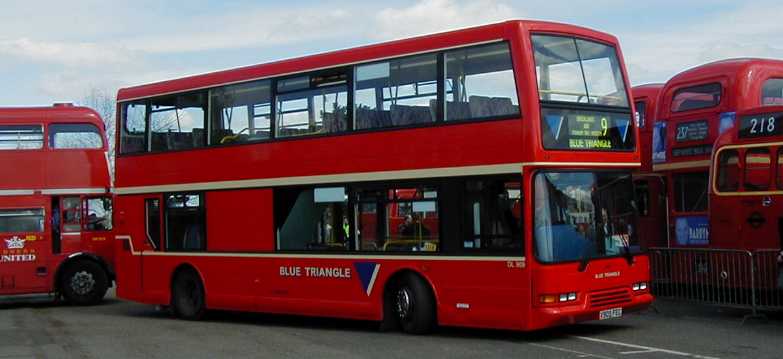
<point>103,102</point>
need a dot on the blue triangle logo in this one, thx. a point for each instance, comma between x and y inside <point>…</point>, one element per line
<point>367,272</point>
<point>555,123</point>
<point>623,124</point>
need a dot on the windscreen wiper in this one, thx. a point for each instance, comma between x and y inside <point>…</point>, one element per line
<point>628,255</point>
<point>584,261</point>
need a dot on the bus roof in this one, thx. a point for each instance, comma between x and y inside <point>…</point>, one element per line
<point>60,113</point>
<point>647,90</point>
<point>426,43</point>
<point>741,80</point>
<point>733,68</point>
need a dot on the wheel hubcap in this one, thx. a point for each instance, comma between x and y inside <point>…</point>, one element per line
<point>82,283</point>
<point>404,303</point>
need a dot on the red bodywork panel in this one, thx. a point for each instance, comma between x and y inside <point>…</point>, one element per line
<point>493,292</point>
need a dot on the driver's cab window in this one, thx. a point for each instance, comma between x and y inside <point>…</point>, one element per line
<point>99,214</point>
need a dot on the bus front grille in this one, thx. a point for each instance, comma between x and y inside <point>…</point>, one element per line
<point>609,297</point>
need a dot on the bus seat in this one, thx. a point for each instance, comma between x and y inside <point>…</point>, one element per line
<point>193,237</point>
<point>402,115</point>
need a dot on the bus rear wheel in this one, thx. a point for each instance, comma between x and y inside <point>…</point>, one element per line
<point>187,295</point>
<point>84,282</point>
<point>413,305</point>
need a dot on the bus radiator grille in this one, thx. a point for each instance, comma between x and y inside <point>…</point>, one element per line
<point>609,297</point>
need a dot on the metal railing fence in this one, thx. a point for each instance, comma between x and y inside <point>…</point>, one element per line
<point>722,277</point>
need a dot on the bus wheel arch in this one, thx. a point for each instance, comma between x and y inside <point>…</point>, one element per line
<point>188,292</point>
<point>409,303</point>
<point>83,279</point>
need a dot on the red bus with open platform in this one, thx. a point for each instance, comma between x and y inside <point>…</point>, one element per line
<point>55,204</point>
<point>479,177</point>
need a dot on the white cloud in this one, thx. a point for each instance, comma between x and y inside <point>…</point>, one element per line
<point>655,55</point>
<point>251,28</point>
<point>429,16</point>
<point>65,53</point>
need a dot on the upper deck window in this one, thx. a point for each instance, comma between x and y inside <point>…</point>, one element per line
<point>134,123</point>
<point>469,83</point>
<point>480,83</point>
<point>241,113</point>
<point>178,122</point>
<point>67,135</point>
<point>772,92</point>
<point>696,97</point>
<point>313,104</point>
<point>641,108</point>
<point>581,71</point>
<point>21,137</point>
<point>399,92</point>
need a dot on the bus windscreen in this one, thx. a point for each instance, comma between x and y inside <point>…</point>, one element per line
<point>579,71</point>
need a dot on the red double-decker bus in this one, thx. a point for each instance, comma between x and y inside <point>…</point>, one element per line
<point>55,204</point>
<point>695,107</point>
<point>479,177</point>
<point>650,186</point>
<point>746,207</point>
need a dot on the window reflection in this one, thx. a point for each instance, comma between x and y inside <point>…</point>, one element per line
<point>583,215</point>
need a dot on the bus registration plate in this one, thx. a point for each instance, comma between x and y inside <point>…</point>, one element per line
<point>610,313</point>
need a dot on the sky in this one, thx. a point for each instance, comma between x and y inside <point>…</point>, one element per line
<point>53,51</point>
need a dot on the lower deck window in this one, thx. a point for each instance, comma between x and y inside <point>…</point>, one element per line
<point>312,219</point>
<point>21,220</point>
<point>185,230</point>
<point>690,192</point>
<point>459,215</point>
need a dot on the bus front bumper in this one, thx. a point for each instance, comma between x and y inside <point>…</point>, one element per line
<point>551,316</point>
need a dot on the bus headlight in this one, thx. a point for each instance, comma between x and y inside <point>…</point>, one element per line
<point>639,286</point>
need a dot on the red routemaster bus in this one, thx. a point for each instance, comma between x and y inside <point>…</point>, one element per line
<point>278,187</point>
<point>695,107</point>
<point>55,204</point>
<point>746,207</point>
<point>650,186</point>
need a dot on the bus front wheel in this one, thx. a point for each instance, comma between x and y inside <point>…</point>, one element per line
<point>187,295</point>
<point>84,282</point>
<point>413,305</point>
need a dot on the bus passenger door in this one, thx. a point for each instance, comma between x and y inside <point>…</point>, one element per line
<point>97,226</point>
<point>651,203</point>
<point>128,257</point>
<point>70,225</point>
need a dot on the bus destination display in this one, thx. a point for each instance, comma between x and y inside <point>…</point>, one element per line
<point>762,125</point>
<point>586,130</point>
<point>692,131</point>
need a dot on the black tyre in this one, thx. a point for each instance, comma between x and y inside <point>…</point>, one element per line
<point>187,295</point>
<point>84,283</point>
<point>413,305</point>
